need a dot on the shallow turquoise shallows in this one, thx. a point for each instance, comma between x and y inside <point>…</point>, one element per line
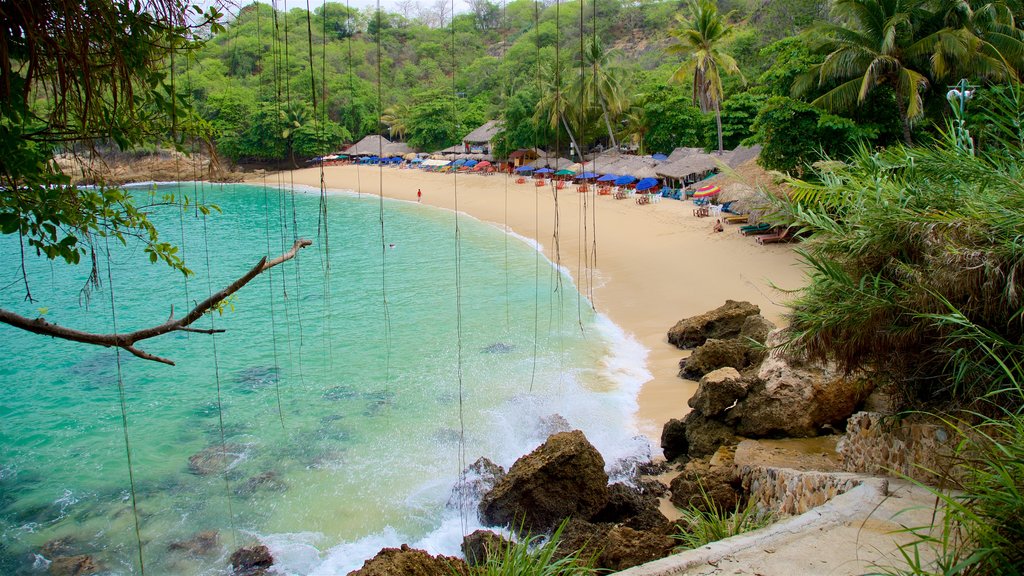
<point>342,416</point>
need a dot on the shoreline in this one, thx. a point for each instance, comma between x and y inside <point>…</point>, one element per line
<point>643,266</point>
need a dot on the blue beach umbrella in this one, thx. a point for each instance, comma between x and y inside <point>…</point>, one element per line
<point>646,184</point>
<point>459,162</point>
<point>624,180</point>
<point>470,163</point>
<point>417,160</point>
<point>524,169</point>
<point>607,178</point>
<point>586,176</point>
<point>659,157</point>
<point>544,171</point>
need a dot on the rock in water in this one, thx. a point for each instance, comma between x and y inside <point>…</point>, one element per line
<point>480,477</point>
<point>673,439</point>
<point>498,348</point>
<point>481,545</point>
<point>251,561</point>
<point>563,477</point>
<point>201,544</point>
<point>410,562</point>
<point>73,566</point>
<point>726,321</point>
<point>214,459</point>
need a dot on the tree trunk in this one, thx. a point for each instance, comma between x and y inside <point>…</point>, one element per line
<point>718,122</point>
<point>571,139</point>
<point>608,124</point>
<point>904,119</point>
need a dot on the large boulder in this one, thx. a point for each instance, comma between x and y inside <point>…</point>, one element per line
<point>251,561</point>
<point>624,547</point>
<point>673,439</point>
<point>794,400</point>
<point>410,562</point>
<point>562,478</point>
<point>714,354</point>
<point>705,435</point>
<point>756,329</point>
<point>726,321</point>
<point>631,507</point>
<point>718,391</point>
<point>583,538</point>
<point>708,483</point>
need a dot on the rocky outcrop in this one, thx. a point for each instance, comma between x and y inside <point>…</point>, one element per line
<point>718,391</point>
<point>479,478</point>
<point>723,322</point>
<point>631,507</point>
<point>673,439</point>
<point>562,478</point>
<point>481,545</point>
<point>705,435</point>
<point>202,544</point>
<point>410,562</point>
<point>251,561</point>
<point>789,399</point>
<point>624,547</point>
<point>708,482</point>
<point>715,354</point>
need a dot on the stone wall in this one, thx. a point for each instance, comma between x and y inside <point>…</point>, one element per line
<point>875,443</point>
<point>782,491</point>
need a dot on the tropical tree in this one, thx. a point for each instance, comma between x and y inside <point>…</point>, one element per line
<point>556,103</point>
<point>293,117</point>
<point>604,82</point>
<point>396,118</point>
<point>699,39</point>
<point>879,47</point>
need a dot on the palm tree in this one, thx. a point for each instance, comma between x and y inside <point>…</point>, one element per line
<point>555,103</point>
<point>604,81</point>
<point>294,115</point>
<point>396,118</point>
<point>880,48</point>
<point>976,39</point>
<point>699,39</point>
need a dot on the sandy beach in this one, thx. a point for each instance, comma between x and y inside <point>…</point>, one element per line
<point>655,264</point>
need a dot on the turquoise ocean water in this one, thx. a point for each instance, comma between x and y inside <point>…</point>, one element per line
<point>341,416</point>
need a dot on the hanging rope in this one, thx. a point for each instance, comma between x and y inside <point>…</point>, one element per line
<point>463,513</point>
<point>536,208</point>
<point>124,412</point>
<point>383,241</point>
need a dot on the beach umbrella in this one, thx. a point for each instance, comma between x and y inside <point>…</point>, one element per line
<point>524,169</point>
<point>607,178</point>
<point>417,160</point>
<point>459,162</point>
<point>646,184</point>
<point>565,172</point>
<point>660,157</point>
<point>483,164</point>
<point>705,191</point>
<point>544,171</point>
<point>586,176</point>
<point>624,180</point>
<point>470,163</point>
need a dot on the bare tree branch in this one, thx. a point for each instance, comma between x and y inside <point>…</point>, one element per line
<point>127,340</point>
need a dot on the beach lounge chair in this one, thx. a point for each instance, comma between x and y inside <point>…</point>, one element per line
<point>677,194</point>
<point>727,206</point>
<point>780,236</point>
<point>752,229</point>
<point>737,219</point>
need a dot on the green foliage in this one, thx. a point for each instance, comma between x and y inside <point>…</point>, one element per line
<point>904,234</point>
<point>673,121</point>
<point>794,134</point>
<point>438,120</point>
<point>701,525</point>
<point>738,114</point>
<point>536,556</point>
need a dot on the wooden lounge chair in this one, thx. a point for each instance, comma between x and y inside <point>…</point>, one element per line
<point>751,229</point>
<point>780,236</point>
<point>737,219</point>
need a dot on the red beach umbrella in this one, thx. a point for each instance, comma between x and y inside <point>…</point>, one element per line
<point>705,191</point>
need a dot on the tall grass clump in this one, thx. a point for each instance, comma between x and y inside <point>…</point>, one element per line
<point>536,556</point>
<point>900,235</point>
<point>700,525</point>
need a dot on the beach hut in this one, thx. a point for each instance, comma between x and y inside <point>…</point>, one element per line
<point>523,156</point>
<point>479,141</point>
<point>689,169</point>
<point>372,145</point>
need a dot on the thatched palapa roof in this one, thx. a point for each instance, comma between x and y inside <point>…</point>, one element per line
<point>687,165</point>
<point>376,145</point>
<point>483,134</point>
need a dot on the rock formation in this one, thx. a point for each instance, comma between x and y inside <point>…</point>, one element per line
<point>251,561</point>
<point>562,478</point>
<point>723,322</point>
<point>410,562</point>
<point>481,545</point>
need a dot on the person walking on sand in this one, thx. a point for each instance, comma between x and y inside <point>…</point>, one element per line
<point>419,194</point>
